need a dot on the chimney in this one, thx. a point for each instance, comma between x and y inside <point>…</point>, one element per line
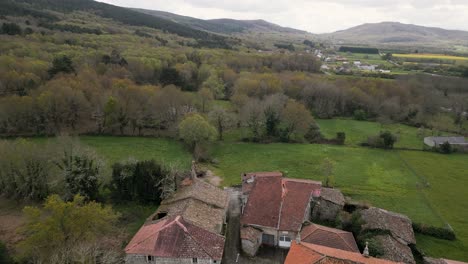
<point>365,253</point>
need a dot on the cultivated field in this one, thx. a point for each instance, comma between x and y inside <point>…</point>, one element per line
<point>431,56</point>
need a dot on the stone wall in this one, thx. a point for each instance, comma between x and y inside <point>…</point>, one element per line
<point>141,259</point>
<point>249,247</point>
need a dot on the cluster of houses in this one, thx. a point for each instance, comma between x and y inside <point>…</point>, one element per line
<point>276,211</point>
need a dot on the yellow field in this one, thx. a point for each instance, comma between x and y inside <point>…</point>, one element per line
<point>431,56</point>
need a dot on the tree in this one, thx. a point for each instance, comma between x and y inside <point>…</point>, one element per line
<point>81,173</point>
<point>11,29</point>
<point>56,233</point>
<point>142,181</point>
<point>221,119</point>
<point>295,119</point>
<point>340,138</point>
<point>61,64</point>
<point>4,256</point>
<point>446,148</point>
<point>328,168</point>
<point>194,129</point>
<point>388,139</point>
<point>206,96</point>
<point>171,76</point>
<point>252,116</point>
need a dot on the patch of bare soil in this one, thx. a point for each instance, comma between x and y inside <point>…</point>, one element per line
<point>213,179</point>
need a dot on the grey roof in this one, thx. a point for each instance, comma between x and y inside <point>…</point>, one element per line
<point>333,195</point>
<point>451,140</point>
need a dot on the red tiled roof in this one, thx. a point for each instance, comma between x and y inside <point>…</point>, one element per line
<point>296,198</point>
<point>299,254</point>
<point>172,237</point>
<point>247,182</point>
<point>263,205</point>
<point>279,202</point>
<point>328,255</point>
<point>329,237</point>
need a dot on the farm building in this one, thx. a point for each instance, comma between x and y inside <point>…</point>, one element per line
<point>328,205</point>
<point>274,209</point>
<point>328,237</point>
<point>400,235</point>
<point>306,253</point>
<point>457,142</point>
<point>186,228</point>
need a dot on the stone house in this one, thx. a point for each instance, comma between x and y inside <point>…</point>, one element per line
<point>401,234</point>
<point>187,228</point>
<point>327,207</point>
<point>274,209</point>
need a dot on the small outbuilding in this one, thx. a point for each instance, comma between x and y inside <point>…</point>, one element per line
<point>456,142</point>
<point>327,207</point>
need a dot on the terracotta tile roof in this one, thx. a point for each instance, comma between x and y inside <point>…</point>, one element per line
<point>278,202</point>
<point>328,255</point>
<point>173,237</point>
<point>333,195</point>
<point>296,198</point>
<point>299,254</point>
<point>264,202</point>
<point>196,212</point>
<point>400,226</point>
<point>448,261</point>
<point>248,179</point>
<point>202,191</point>
<point>250,233</point>
<point>329,237</point>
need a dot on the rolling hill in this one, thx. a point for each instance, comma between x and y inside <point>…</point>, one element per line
<point>223,25</point>
<point>395,33</point>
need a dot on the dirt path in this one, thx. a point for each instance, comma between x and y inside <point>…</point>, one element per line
<point>213,179</point>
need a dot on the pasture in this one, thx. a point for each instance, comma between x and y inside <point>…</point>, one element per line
<point>431,56</point>
<point>430,188</point>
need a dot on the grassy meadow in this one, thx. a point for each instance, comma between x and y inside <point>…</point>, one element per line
<point>430,188</point>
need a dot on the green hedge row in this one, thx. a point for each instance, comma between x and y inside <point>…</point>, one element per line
<point>438,232</point>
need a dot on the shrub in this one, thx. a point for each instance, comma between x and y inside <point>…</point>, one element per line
<point>314,135</point>
<point>4,256</point>
<point>446,148</point>
<point>438,232</point>
<point>11,29</point>
<point>388,139</point>
<point>340,138</point>
<point>61,64</point>
<point>360,115</point>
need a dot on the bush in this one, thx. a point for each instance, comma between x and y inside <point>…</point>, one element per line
<point>61,64</point>
<point>314,135</point>
<point>4,256</point>
<point>384,140</point>
<point>438,232</point>
<point>11,29</point>
<point>360,115</point>
<point>446,148</point>
<point>340,138</point>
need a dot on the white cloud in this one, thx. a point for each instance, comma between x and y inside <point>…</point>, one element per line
<point>319,16</point>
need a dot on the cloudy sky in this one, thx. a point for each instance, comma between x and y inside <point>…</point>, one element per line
<point>318,16</point>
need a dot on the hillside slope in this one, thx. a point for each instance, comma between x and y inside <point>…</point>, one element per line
<point>223,25</point>
<point>40,8</point>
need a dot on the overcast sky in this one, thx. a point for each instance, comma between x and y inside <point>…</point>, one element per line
<point>318,16</point>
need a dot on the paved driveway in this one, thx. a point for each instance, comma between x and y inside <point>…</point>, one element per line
<point>232,252</point>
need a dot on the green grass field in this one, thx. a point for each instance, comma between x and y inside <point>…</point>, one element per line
<point>430,188</point>
<point>394,180</point>
<point>358,131</point>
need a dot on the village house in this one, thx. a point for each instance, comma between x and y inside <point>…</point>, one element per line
<point>328,237</point>
<point>187,228</point>
<point>306,253</point>
<point>400,235</point>
<point>328,205</point>
<point>458,143</point>
<point>274,209</point>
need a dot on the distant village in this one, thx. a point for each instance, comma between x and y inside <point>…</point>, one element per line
<point>270,218</point>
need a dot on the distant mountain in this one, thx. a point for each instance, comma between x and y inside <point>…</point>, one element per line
<point>224,25</point>
<point>398,34</point>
